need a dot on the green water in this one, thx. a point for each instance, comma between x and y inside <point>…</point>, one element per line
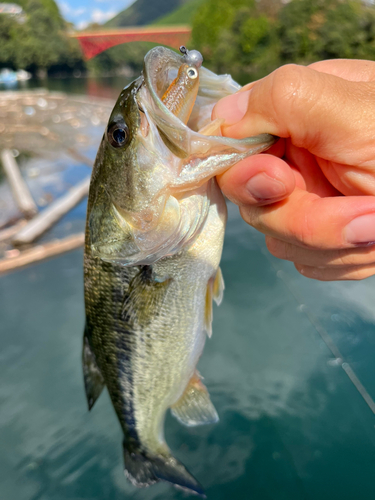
<point>292,424</point>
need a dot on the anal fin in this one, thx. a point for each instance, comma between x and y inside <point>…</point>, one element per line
<point>208,313</point>
<point>218,287</point>
<point>215,291</point>
<point>93,378</point>
<point>195,407</point>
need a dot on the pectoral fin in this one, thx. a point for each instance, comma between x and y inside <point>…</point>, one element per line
<point>144,297</point>
<point>93,379</point>
<point>195,407</point>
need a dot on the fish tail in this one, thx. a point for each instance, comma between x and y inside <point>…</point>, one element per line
<point>143,469</point>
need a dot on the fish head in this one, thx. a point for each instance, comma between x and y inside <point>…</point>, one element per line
<point>118,152</point>
<point>153,179</point>
<point>130,159</point>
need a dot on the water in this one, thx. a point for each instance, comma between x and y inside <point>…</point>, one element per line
<point>96,86</point>
<point>292,424</point>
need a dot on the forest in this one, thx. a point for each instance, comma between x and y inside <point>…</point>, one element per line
<point>247,38</point>
<point>40,41</point>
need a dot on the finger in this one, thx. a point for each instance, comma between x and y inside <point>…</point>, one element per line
<point>314,179</point>
<point>306,220</point>
<point>337,274</point>
<point>349,180</point>
<point>319,111</point>
<point>349,257</point>
<point>355,70</point>
<point>277,149</point>
<point>257,180</point>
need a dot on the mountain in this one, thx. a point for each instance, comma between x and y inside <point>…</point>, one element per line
<point>50,7</point>
<point>182,15</point>
<point>143,12</point>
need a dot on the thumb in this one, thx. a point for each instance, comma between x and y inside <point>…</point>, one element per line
<point>326,114</point>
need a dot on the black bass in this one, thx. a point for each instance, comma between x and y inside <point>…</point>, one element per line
<point>154,237</point>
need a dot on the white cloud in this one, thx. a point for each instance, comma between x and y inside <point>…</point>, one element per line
<point>81,25</point>
<point>100,16</point>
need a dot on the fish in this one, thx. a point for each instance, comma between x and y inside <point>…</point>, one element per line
<point>154,236</point>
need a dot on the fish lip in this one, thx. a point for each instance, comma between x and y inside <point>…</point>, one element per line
<point>177,131</point>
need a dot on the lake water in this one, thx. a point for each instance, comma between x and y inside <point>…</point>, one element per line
<point>294,424</point>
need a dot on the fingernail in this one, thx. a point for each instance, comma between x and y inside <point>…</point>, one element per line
<point>232,108</point>
<point>262,187</point>
<point>361,231</point>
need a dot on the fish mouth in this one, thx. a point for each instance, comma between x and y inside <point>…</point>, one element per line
<point>160,66</point>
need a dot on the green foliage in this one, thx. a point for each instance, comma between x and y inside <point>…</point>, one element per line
<point>49,6</point>
<point>326,29</point>
<point>7,45</point>
<point>143,12</point>
<point>214,17</point>
<point>163,12</point>
<point>249,39</point>
<point>120,58</point>
<point>182,15</point>
<point>233,35</point>
<point>40,43</point>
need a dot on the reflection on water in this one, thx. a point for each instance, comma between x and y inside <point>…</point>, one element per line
<point>292,425</point>
<point>108,87</point>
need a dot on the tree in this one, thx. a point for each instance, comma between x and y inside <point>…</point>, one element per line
<point>41,42</point>
<point>235,36</point>
<point>249,39</point>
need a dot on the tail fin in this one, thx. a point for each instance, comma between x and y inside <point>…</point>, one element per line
<point>143,470</point>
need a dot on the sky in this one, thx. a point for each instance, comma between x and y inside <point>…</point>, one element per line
<point>83,12</point>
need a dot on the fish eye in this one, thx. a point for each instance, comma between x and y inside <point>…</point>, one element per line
<point>118,134</point>
<point>192,73</point>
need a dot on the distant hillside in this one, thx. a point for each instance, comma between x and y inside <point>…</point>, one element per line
<point>144,12</point>
<point>182,15</point>
<point>49,5</point>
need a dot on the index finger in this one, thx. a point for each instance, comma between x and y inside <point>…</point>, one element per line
<point>330,116</point>
<point>354,70</point>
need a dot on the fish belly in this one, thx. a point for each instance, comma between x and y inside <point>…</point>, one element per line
<point>168,348</point>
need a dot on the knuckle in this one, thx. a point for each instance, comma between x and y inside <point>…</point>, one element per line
<point>280,249</point>
<point>303,270</point>
<point>287,85</point>
<point>350,257</point>
<point>251,216</point>
<point>294,95</point>
<point>275,247</point>
<point>302,229</point>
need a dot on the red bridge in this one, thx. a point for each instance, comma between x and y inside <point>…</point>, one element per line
<point>96,42</point>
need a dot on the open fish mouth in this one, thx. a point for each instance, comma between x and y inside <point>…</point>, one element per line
<point>160,67</point>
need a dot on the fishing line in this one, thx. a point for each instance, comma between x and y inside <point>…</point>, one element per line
<point>321,331</point>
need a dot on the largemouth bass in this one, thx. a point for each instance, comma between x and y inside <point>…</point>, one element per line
<point>154,236</point>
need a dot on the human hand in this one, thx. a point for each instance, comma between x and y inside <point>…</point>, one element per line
<point>324,115</point>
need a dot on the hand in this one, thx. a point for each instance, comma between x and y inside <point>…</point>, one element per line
<point>324,114</point>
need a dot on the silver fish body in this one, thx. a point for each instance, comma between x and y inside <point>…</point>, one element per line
<point>154,236</point>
